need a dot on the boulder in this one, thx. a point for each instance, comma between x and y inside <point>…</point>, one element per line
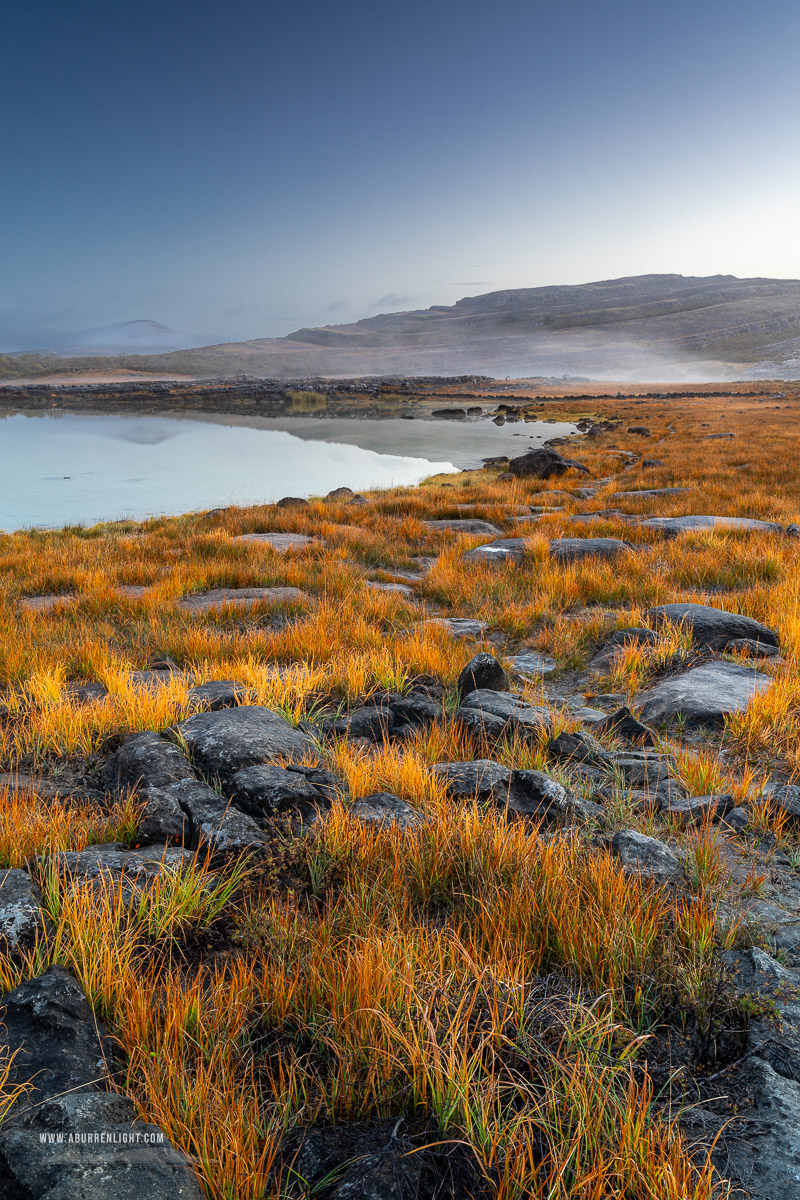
<point>640,430</point>
<point>504,550</point>
<point>22,920</point>
<point>383,809</point>
<point>763,1153</point>
<point>568,550</point>
<point>642,768</point>
<point>91,1145</point>
<point>785,797</point>
<point>292,502</point>
<point>490,714</point>
<point>705,695</point>
<point>578,747</point>
<point>482,672</point>
<point>60,1046</point>
<point>645,856</point>
<point>266,789</point>
<point>671,526</point>
<point>215,825</point>
<point>113,862</point>
<point>487,781</point>
<point>221,743</point>
<point>147,760</point>
<point>752,648</point>
<point>543,463</point>
<point>163,821</point>
<point>694,810</point>
<point>709,625</point>
<point>470,526</point>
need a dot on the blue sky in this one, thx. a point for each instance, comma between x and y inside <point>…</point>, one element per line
<point>241,169</point>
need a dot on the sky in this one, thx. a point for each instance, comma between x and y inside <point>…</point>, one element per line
<point>242,169</point>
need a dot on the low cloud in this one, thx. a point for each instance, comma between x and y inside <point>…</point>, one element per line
<point>392,300</point>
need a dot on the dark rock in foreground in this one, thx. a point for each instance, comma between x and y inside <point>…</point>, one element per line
<point>22,920</point>
<point>487,714</point>
<point>90,1145</point>
<point>149,760</point>
<point>543,463</point>
<point>705,695</point>
<point>59,1044</point>
<point>382,809</point>
<point>482,671</point>
<point>221,743</point>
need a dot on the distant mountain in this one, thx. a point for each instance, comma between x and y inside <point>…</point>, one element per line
<point>129,337</point>
<point>647,327</point>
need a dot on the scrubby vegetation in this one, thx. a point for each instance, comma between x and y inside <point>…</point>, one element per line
<point>501,987</point>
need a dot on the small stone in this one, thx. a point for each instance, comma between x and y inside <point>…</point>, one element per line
<point>216,826</point>
<point>218,694</point>
<point>623,723</point>
<point>266,789</point>
<point>579,747</point>
<point>460,627</point>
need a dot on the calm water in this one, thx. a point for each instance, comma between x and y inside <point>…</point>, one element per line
<point>67,469</point>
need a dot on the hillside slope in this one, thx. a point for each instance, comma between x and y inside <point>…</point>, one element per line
<point>665,327</point>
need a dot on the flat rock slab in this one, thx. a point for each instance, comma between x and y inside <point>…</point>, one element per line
<point>568,550</point>
<point>56,1153</point>
<point>220,598</point>
<point>710,626</point>
<point>221,743</point>
<point>504,550</point>
<point>467,525</point>
<point>22,920</point>
<point>48,790</point>
<point>646,493</point>
<point>399,589</point>
<point>670,526</point>
<point>532,665</point>
<point>705,695</point>
<point>47,603</point>
<point>762,1152</point>
<point>115,862</point>
<point>460,627</point>
<point>281,542</point>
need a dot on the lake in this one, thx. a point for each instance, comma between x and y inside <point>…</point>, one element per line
<point>72,469</point>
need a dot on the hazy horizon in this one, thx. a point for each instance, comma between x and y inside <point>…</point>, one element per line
<point>245,174</point>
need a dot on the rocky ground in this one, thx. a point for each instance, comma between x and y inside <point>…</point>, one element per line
<point>336,832</point>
